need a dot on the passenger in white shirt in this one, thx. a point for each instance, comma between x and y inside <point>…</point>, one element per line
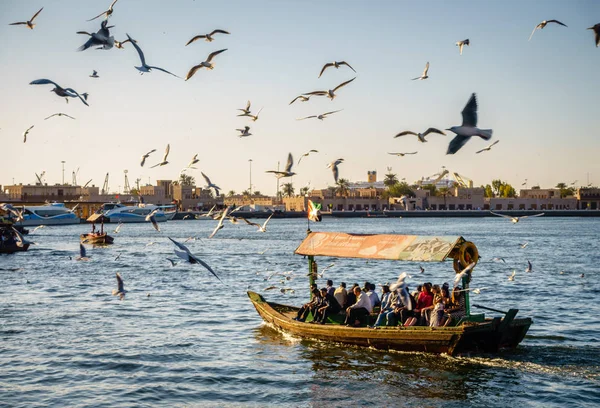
<point>360,310</point>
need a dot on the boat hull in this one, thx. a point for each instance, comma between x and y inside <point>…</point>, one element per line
<point>34,222</point>
<point>96,239</point>
<point>475,337</point>
<point>130,218</point>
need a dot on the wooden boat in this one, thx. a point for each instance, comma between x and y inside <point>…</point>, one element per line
<point>96,237</point>
<point>11,240</point>
<point>474,333</point>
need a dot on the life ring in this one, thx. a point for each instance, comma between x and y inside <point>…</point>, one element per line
<point>467,254</point>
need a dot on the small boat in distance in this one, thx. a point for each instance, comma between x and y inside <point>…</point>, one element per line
<point>49,214</point>
<point>118,212</point>
<point>10,239</point>
<point>472,333</point>
<point>96,237</point>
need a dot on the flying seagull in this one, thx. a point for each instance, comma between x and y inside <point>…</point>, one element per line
<point>144,157</point>
<point>402,154</point>
<point>101,37</point>
<point>207,37</point>
<point>469,127</point>
<point>29,23</point>
<point>220,224</point>
<point>529,267</point>
<point>301,97</point>
<point>204,64</point>
<point>211,185</point>
<point>516,219</point>
<point>116,231</point>
<point>463,274</point>
<point>331,92</point>
<point>106,13</point>
<point>462,43</point>
<point>145,67</point>
<point>596,29</point>
<point>288,169</point>
<point>246,110</point>
<point>321,116</point>
<point>261,228</point>
<point>334,168</point>
<point>541,25</point>
<point>523,245</point>
<point>255,117</point>
<point>94,74</point>
<point>487,148</point>
<point>120,289</point>
<point>512,277</point>
<point>60,91</point>
<point>25,133</point>
<point>420,136</point>
<point>400,287</point>
<point>164,160</point>
<point>193,161</point>
<point>424,74</point>
<point>336,64</point>
<point>153,221</point>
<point>119,44</point>
<point>306,154</point>
<point>59,114</point>
<point>82,254</point>
<point>245,132</point>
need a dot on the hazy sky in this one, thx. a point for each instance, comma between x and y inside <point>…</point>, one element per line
<point>540,97</point>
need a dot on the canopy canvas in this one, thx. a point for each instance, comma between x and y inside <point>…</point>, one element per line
<point>379,246</point>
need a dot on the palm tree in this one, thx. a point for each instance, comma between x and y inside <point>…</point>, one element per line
<point>331,190</point>
<point>257,194</point>
<point>186,180</point>
<point>304,191</point>
<point>287,190</point>
<point>231,193</point>
<point>246,193</point>
<point>390,180</point>
<point>343,188</point>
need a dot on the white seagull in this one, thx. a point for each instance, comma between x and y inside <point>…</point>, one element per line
<point>529,267</point>
<point>60,91</point>
<point>596,29</point>
<point>185,254</point>
<point>261,228</point>
<point>82,254</point>
<point>204,64</point>
<point>94,74</point>
<point>106,13</point>
<point>462,43</point>
<point>463,274</point>
<point>517,219</point>
<point>211,185</point>
<point>336,64</point>
<point>487,148</point>
<point>26,133</point>
<point>194,161</point>
<point>402,154</point>
<point>245,132</point>
<point>220,224</point>
<point>524,245</point>
<point>306,154</point>
<point>512,277</point>
<point>153,221</point>
<point>301,97</point>
<point>145,67</point>
<point>207,37</point>
<point>321,116</point>
<point>288,169</point>
<point>420,136</point>
<point>246,110</point>
<point>331,92</point>
<point>334,168</point>
<point>468,128</point>
<point>119,44</point>
<point>424,74</point>
<point>29,23</point>
<point>255,117</point>
<point>145,156</point>
<point>120,290</point>
<point>164,160</point>
<point>118,229</point>
<point>59,114</point>
<point>541,25</point>
<point>101,37</point>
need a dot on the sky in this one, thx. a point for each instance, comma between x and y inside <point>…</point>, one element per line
<point>539,96</point>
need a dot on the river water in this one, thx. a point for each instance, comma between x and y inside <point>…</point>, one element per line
<point>182,338</point>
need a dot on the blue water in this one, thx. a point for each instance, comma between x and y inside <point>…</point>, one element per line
<point>181,338</point>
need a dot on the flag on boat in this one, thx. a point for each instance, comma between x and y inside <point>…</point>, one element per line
<point>314,211</point>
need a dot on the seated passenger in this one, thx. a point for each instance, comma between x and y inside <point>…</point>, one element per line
<point>329,287</point>
<point>370,291</point>
<point>329,305</point>
<point>402,312</point>
<point>360,310</point>
<point>341,295</point>
<point>310,306</point>
<point>426,311</point>
<point>457,309</point>
<point>351,296</point>
<point>424,300</point>
<point>436,316</point>
<point>388,301</point>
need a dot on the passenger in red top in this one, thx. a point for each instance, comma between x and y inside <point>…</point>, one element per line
<point>424,300</point>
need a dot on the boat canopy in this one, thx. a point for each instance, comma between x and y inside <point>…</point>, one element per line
<point>379,246</point>
<point>94,217</point>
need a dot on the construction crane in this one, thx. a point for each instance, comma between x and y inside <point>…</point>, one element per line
<point>105,186</point>
<point>40,177</point>
<point>137,184</point>
<point>75,173</point>
<point>126,187</point>
<point>463,181</point>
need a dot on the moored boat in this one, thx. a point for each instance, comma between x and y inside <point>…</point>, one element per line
<point>11,240</point>
<point>49,214</point>
<point>473,333</point>
<point>118,212</point>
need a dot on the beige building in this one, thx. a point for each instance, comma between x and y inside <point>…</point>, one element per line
<point>589,198</point>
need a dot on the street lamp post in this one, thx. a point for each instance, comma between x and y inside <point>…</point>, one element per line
<point>250,189</point>
<point>63,172</point>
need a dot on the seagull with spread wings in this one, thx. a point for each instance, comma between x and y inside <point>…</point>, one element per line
<point>287,172</point>
<point>94,74</point>
<point>164,160</point>
<point>596,29</point>
<point>119,44</point>
<point>184,253</point>
<point>516,219</point>
<point>461,44</point>
<point>26,133</point>
<point>60,114</point>
<point>29,23</point>
<point>145,67</point>
<point>207,37</point>
<point>306,154</point>
<point>220,224</point>
<point>193,161</point>
<point>321,116</point>
<point>106,13</point>
<point>204,64</point>
<point>210,184</point>
<point>487,148</point>
<point>60,91</point>
<point>334,168</point>
<point>301,97</point>
<point>335,64</point>
<point>245,132</point>
<point>331,92</point>
<point>529,266</point>
<point>424,74</point>
<point>421,136</point>
<point>145,156</point>
<point>255,117</point>
<point>402,154</point>
<point>541,26</point>
<point>101,37</point>
<point>468,128</point>
<point>120,290</point>
<point>82,254</point>
<point>261,228</point>
<point>246,110</point>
